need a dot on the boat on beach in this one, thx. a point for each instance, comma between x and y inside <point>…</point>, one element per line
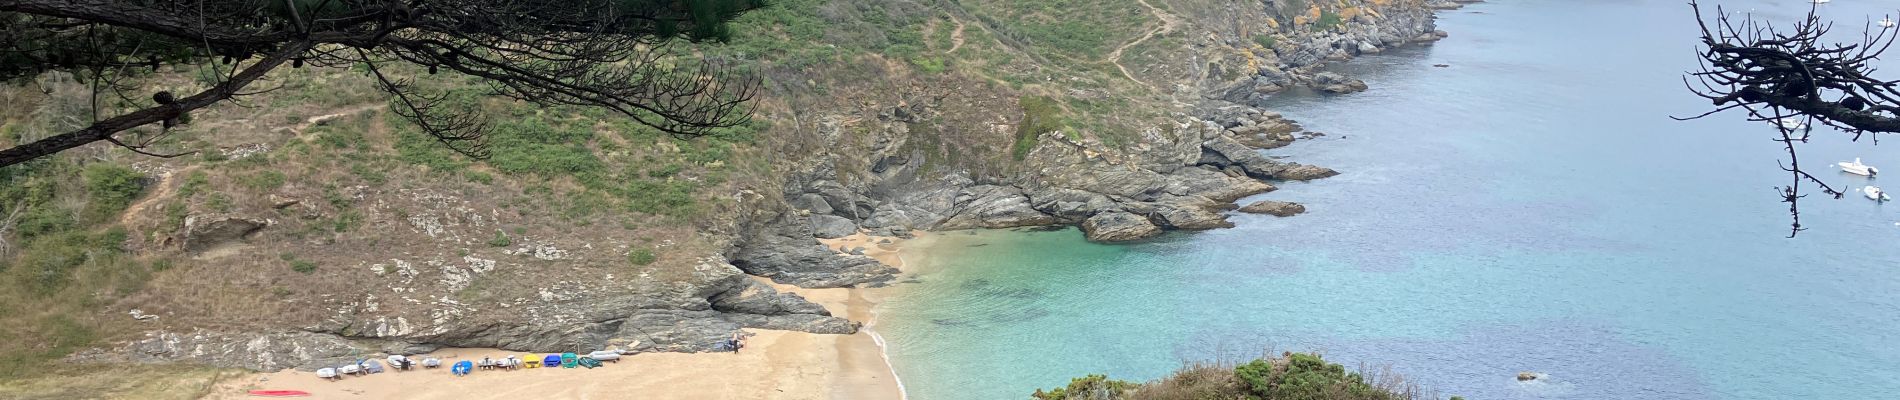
<point>1856,168</point>
<point>1874,193</point>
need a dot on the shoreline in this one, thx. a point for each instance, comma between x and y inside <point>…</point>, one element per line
<point>774,364</point>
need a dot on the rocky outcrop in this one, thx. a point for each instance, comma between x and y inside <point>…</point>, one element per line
<point>1274,208</point>
<point>1337,84</point>
<point>206,232</point>
<point>783,250</point>
<point>255,351</point>
<point>832,226</point>
<point>1118,226</point>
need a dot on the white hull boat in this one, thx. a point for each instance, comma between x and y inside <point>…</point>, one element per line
<point>1822,1</point>
<point>1856,168</point>
<point>1874,193</point>
<point>1791,124</point>
<point>1886,22</point>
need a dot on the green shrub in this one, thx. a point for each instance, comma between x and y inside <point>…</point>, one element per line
<point>266,180</point>
<point>303,267</point>
<point>1266,41</point>
<point>1040,115</point>
<point>112,188</point>
<point>347,220</point>
<point>1327,20</point>
<point>194,182</point>
<point>1088,388</point>
<point>220,202</point>
<point>1297,376</point>
<point>1307,377</point>
<point>501,240</point>
<point>479,177</point>
<point>642,257</point>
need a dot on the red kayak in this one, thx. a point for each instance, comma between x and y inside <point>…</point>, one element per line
<point>279,393</point>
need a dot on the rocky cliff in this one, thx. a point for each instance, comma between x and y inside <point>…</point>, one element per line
<point>957,115</point>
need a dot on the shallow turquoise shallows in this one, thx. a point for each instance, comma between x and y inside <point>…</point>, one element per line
<point>1528,208</point>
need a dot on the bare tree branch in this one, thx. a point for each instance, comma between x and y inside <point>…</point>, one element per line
<point>1793,80</point>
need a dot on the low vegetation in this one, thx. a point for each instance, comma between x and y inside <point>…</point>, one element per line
<point>1293,376</point>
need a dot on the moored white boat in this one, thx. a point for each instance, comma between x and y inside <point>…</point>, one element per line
<point>1856,168</point>
<point>1886,22</point>
<point>1791,124</point>
<point>1822,1</point>
<point>1874,193</point>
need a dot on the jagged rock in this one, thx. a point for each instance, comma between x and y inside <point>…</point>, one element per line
<point>1526,376</point>
<point>1275,208</point>
<point>782,250</point>
<point>1337,84</point>
<point>1118,226</point>
<point>270,351</point>
<point>1190,217</point>
<point>811,202</point>
<point>832,226</point>
<point>856,251</point>
<point>203,232</point>
<point>280,202</point>
<point>1071,205</point>
<point>995,207</point>
<point>1301,172</point>
<point>752,297</point>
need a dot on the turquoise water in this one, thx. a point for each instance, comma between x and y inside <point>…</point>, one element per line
<point>1529,208</point>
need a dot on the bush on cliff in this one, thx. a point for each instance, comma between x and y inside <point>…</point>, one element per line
<point>1294,376</point>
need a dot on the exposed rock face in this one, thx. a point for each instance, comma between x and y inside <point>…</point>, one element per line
<point>204,232</point>
<point>635,318</point>
<point>256,351</point>
<point>782,250</point>
<point>832,226</point>
<point>1275,208</point>
<point>1118,226</point>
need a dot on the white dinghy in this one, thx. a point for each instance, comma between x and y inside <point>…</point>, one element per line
<point>1856,168</point>
<point>1886,22</point>
<point>1791,123</point>
<point>1874,193</point>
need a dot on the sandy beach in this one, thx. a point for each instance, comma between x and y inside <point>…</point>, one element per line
<point>773,365</point>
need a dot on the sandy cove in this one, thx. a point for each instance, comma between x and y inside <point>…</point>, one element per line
<point>773,365</point>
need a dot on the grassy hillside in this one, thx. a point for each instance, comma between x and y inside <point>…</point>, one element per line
<point>342,186</point>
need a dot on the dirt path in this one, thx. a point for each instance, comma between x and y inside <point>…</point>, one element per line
<point>956,37</point>
<point>166,188</point>
<point>1168,23</point>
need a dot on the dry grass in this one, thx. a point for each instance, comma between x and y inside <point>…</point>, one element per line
<point>1199,381</point>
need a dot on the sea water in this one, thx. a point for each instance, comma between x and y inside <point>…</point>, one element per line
<point>1530,207</point>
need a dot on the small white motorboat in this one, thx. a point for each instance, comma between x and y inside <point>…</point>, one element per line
<point>1874,193</point>
<point>1822,1</point>
<point>1791,124</point>
<point>1856,168</point>
<point>1886,22</point>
